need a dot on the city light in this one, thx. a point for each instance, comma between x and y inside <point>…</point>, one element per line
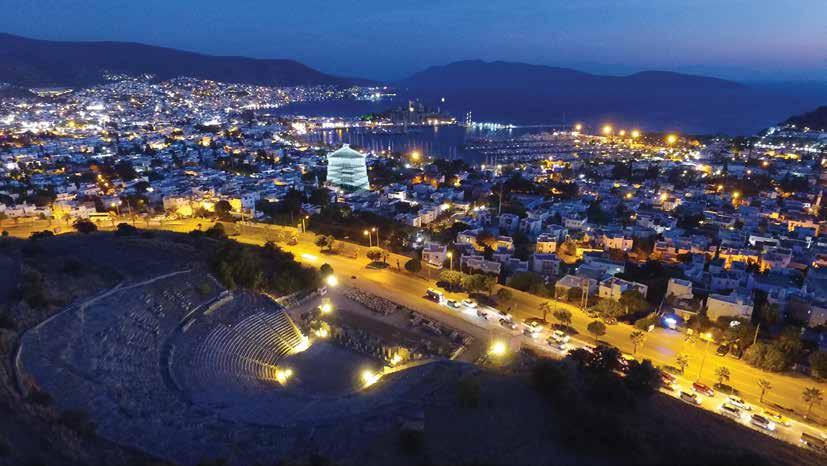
<point>283,375</point>
<point>498,348</point>
<point>578,127</point>
<point>369,377</point>
<point>326,308</point>
<point>607,130</point>
<point>635,134</point>
<point>415,155</point>
<point>671,139</point>
<point>331,280</point>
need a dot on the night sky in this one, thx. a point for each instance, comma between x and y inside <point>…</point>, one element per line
<point>748,40</point>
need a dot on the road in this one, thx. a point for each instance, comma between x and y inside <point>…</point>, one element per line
<point>661,345</point>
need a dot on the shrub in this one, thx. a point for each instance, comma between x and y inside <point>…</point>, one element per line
<point>413,265</point>
<point>411,441</point>
<point>125,229</point>
<point>85,227</point>
<point>468,392</point>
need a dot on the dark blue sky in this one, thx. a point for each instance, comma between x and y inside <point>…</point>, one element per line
<point>742,39</point>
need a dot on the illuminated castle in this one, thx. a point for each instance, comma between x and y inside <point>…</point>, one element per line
<point>346,169</point>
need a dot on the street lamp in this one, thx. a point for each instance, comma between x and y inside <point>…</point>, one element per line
<point>578,127</point>
<point>374,229</point>
<point>607,130</point>
<point>671,139</point>
<point>304,227</point>
<point>370,237</point>
<point>635,134</point>
<point>451,257</point>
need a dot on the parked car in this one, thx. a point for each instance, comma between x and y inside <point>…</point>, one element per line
<point>703,389</point>
<point>508,324</point>
<point>762,422</point>
<point>777,418</point>
<point>534,323</point>
<point>690,397</point>
<point>482,314</point>
<point>729,410</point>
<point>667,378</point>
<point>469,303</point>
<point>559,336</point>
<point>739,402</point>
<point>452,303</point>
<point>722,350</point>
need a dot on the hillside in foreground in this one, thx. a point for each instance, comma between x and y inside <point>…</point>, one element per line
<point>519,412</point>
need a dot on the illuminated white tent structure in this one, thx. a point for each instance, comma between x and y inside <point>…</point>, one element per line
<point>346,169</point>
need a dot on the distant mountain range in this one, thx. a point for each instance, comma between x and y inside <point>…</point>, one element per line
<point>817,119</point>
<point>28,62</point>
<point>498,91</point>
<point>506,76</point>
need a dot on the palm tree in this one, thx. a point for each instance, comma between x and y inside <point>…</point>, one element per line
<point>682,361</point>
<point>723,375</point>
<point>545,307</point>
<point>811,396</point>
<point>764,385</point>
<point>638,338</point>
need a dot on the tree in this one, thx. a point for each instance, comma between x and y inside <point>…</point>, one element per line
<point>325,241</point>
<point>374,254</point>
<point>645,322</point>
<point>479,282</point>
<point>326,269</point>
<point>596,328</point>
<point>223,209</point>
<point>723,375</point>
<point>504,295</point>
<point>811,396</point>
<point>452,278</point>
<point>413,265</point>
<point>633,301</point>
<point>682,361</point>
<point>125,229</point>
<point>529,282</point>
<point>643,378</point>
<point>563,316</point>
<point>487,239</point>
<point>818,364</point>
<point>568,251</point>
<point>638,338</point>
<point>765,386</point>
<point>85,227</point>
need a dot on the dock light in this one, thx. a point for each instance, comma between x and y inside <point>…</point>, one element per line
<point>498,348</point>
<point>369,377</point>
<point>331,280</point>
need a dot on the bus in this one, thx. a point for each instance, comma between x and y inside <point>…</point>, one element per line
<point>434,295</point>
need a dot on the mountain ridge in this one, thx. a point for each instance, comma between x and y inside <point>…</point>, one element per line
<point>504,75</point>
<point>27,62</point>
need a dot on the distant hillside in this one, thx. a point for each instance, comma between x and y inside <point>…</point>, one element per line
<point>817,119</point>
<point>41,63</point>
<point>499,75</point>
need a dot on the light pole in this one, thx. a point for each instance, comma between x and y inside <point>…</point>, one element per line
<point>304,227</point>
<point>708,337</point>
<point>370,238</point>
<point>374,229</point>
<point>451,257</point>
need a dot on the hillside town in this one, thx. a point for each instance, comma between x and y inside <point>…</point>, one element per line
<point>722,239</point>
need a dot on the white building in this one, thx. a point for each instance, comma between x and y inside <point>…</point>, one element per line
<point>734,305</point>
<point>613,288</point>
<point>347,169</point>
